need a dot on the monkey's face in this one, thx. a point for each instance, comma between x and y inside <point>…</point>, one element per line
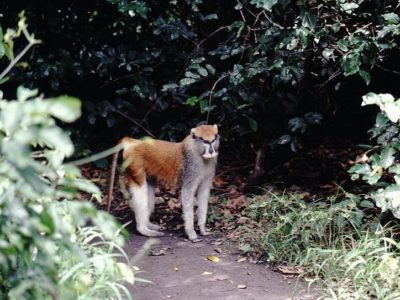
<point>206,139</point>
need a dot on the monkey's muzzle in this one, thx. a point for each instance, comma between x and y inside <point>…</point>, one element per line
<point>208,155</point>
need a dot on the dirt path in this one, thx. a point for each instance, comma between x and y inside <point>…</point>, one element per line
<point>177,269</point>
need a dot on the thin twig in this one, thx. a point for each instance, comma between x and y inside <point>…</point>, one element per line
<point>387,70</point>
<point>17,58</point>
<point>211,94</point>
<point>335,74</point>
<point>272,22</point>
<point>136,123</point>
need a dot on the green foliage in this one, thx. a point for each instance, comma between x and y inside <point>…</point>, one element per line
<point>330,243</point>
<point>364,268</point>
<point>252,66</point>
<point>380,167</point>
<point>293,226</point>
<point>48,250</point>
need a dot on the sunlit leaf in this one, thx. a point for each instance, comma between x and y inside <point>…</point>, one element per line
<point>65,108</point>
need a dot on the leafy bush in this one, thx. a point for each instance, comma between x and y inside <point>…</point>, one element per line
<point>165,65</point>
<point>379,166</point>
<point>330,244</point>
<point>48,249</point>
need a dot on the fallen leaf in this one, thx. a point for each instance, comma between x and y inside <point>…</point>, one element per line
<point>213,258</point>
<point>290,270</point>
<point>217,242</point>
<point>158,252</point>
<point>242,259</point>
<point>174,204</point>
<point>219,181</point>
<point>241,286</point>
<point>237,203</point>
<point>218,250</point>
<point>242,220</point>
<point>207,273</point>
<point>221,278</point>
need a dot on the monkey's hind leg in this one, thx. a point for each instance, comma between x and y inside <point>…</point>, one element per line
<point>140,204</point>
<point>152,202</point>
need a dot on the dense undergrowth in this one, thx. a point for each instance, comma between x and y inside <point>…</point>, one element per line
<point>347,243</point>
<point>52,246</point>
<point>329,242</point>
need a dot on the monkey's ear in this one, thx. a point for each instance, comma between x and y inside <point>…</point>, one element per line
<point>193,130</point>
<point>215,126</point>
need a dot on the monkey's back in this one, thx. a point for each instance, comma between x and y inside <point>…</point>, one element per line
<point>158,159</point>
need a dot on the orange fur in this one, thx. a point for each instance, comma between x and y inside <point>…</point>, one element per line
<point>206,132</point>
<point>156,159</point>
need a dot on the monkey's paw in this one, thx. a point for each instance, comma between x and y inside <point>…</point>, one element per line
<point>155,227</point>
<point>206,232</point>
<point>149,232</point>
<point>196,240</point>
<point>193,237</point>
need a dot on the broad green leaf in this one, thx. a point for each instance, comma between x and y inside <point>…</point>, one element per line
<point>2,50</point>
<point>360,169</point>
<point>372,179</point>
<point>126,272</point>
<point>169,86</point>
<point>186,81</point>
<point>202,71</point>
<point>203,105</point>
<point>389,199</point>
<point>284,139</point>
<point>327,53</point>
<point>192,75</point>
<point>391,18</point>
<point>387,157</point>
<point>192,101</point>
<point>8,51</point>
<point>392,111</point>
<point>65,108</point>
<point>348,7</point>
<point>350,63</point>
<point>342,45</point>
<point>253,124</point>
<point>10,117</point>
<point>57,139</point>
<point>309,19</point>
<point>24,94</point>
<point>367,204</point>
<point>365,75</point>
<point>210,68</point>
<point>265,4</point>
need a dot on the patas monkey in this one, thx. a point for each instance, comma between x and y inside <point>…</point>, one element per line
<point>190,164</point>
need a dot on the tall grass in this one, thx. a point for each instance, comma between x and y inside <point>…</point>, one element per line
<point>332,242</point>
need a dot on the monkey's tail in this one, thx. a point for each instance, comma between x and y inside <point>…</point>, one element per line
<point>112,178</point>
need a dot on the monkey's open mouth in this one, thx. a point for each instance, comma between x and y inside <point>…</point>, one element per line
<point>208,155</point>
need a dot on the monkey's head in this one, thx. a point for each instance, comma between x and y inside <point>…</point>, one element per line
<point>206,139</point>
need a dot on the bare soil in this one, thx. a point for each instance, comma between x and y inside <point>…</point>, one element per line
<point>180,269</point>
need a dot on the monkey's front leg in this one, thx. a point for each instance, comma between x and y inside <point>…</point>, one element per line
<point>187,200</point>
<point>202,204</point>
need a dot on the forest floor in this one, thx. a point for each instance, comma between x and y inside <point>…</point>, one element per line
<point>216,268</point>
<point>180,269</point>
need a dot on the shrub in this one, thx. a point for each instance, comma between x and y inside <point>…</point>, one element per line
<point>379,166</point>
<point>50,246</point>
